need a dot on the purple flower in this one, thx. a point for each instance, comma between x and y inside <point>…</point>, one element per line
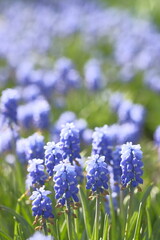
<point>65,183</point>
<point>53,156</point>
<point>41,205</point>
<point>97,174</point>
<point>131,165</point>
<point>9,100</point>
<point>36,175</point>
<point>102,142</point>
<point>69,138</point>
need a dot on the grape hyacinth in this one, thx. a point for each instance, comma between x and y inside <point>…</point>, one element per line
<point>41,205</point>
<point>97,174</point>
<point>69,138</point>
<point>35,146</point>
<point>131,165</point>
<point>65,183</point>
<point>41,114</point>
<point>9,101</point>
<point>102,142</point>
<point>36,174</point>
<point>116,159</point>
<point>53,156</point>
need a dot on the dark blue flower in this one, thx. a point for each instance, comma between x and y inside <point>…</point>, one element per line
<point>35,146</point>
<point>53,156</point>
<point>131,165</point>
<point>102,143</point>
<point>116,159</point>
<point>69,138</point>
<point>41,204</point>
<point>65,183</point>
<point>9,100</point>
<point>97,174</point>
<point>36,174</point>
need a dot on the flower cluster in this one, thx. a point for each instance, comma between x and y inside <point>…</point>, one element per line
<point>53,156</point>
<point>97,174</point>
<point>9,101</point>
<point>69,138</point>
<point>34,114</point>
<point>30,148</point>
<point>36,175</point>
<point>131,165</point>
<point>65,183</point>
<point>116,159</point>
<point>102,142</point>
<point>41,205</point>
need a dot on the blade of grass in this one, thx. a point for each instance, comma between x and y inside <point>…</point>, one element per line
<point>27,229</point>
<point>85,209</point>
<point>138,224</point>
<point>4,236</point>
<point>105,227</point>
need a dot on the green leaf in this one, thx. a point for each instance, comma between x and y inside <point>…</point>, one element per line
<point>146,194</point>
<point>149,224</point>
<point>113,219</point>
<point>138,224</point>
<point>4,236</point>
<point>25,226</point>
<point>105,227</point>
<point>132,224</point>
<point>85,208</point>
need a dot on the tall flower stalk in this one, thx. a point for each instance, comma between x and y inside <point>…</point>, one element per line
<point>66,190</point>
<point>97,181</point>
<point>132,172</point>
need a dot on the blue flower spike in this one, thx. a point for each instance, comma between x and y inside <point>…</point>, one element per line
<point>8,106</point>
<point>97,174</point>
<point>131,165</point>
<point>36,176</point>
<point>69,137</point>
<point>66,183</point>
<point>41,208</point>
<point>53,156</point>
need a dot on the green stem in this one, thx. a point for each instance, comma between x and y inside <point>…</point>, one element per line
<point>122,212</point>
<point>76,220</point>
<point>69,221</point>
<point>45,227</point>
<point>96,235</point>
<point>129,211</point>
